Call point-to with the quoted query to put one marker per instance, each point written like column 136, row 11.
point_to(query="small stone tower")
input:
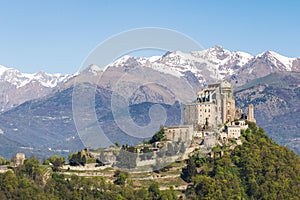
column 18, row 159
column 251, row 113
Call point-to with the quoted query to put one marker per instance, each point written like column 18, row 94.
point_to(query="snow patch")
column 275, row 57
column 95, row 69
column 154, row 58
column 3, row 69
column 120, row 61
column 287, row 62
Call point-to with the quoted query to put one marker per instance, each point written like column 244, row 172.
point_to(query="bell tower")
column 251, row 113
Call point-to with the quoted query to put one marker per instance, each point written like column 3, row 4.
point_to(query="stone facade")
column 210, row 140
column 214, row 105
column 198, row 114
column 18, row 159
column 108, row 156
column 251, row 113
column 233, row 131
column 179, row 133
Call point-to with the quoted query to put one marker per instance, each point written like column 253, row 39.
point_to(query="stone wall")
column 179, row 133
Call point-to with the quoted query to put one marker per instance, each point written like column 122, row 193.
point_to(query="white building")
column 241, row 123
column 233, row 131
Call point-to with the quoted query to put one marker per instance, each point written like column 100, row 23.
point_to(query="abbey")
column 214, row 105
column 213, row 114
column 211, row 120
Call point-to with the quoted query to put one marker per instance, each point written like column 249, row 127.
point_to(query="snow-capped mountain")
column 227, row 62
column 214, row 63
column 220, row 56
column 17, row 87
column 264, row 64
column 198, row 68
column 277, row 60
column 19, row 79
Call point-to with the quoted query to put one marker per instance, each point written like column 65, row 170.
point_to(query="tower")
column 251, row 113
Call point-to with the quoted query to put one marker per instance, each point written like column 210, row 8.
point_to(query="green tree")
column 154, row 192
column 142, row 194
column 32, row 169
column 157, row 137
column 190, row 170
column 3, row 161
column 55, row 161
column 168, row 195
column 8, row 184
column 77, row 159
column 121, row 177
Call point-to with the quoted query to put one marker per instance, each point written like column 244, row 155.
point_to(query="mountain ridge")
column 215, row 55
column 156, row 80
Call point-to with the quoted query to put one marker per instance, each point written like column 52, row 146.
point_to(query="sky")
column 57, row 36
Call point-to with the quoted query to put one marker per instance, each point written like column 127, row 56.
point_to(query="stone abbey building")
column 213, row 113
column 214, row 105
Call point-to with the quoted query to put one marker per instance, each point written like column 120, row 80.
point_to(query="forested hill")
column 258, row 169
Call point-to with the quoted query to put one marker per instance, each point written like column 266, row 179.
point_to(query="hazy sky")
column 56, row 36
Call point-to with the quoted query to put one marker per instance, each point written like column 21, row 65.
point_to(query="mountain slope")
column 17, row 87
column 198, row 68
column 264, row 64
column 276, row 98
column 142, row 82
column 46, row 126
